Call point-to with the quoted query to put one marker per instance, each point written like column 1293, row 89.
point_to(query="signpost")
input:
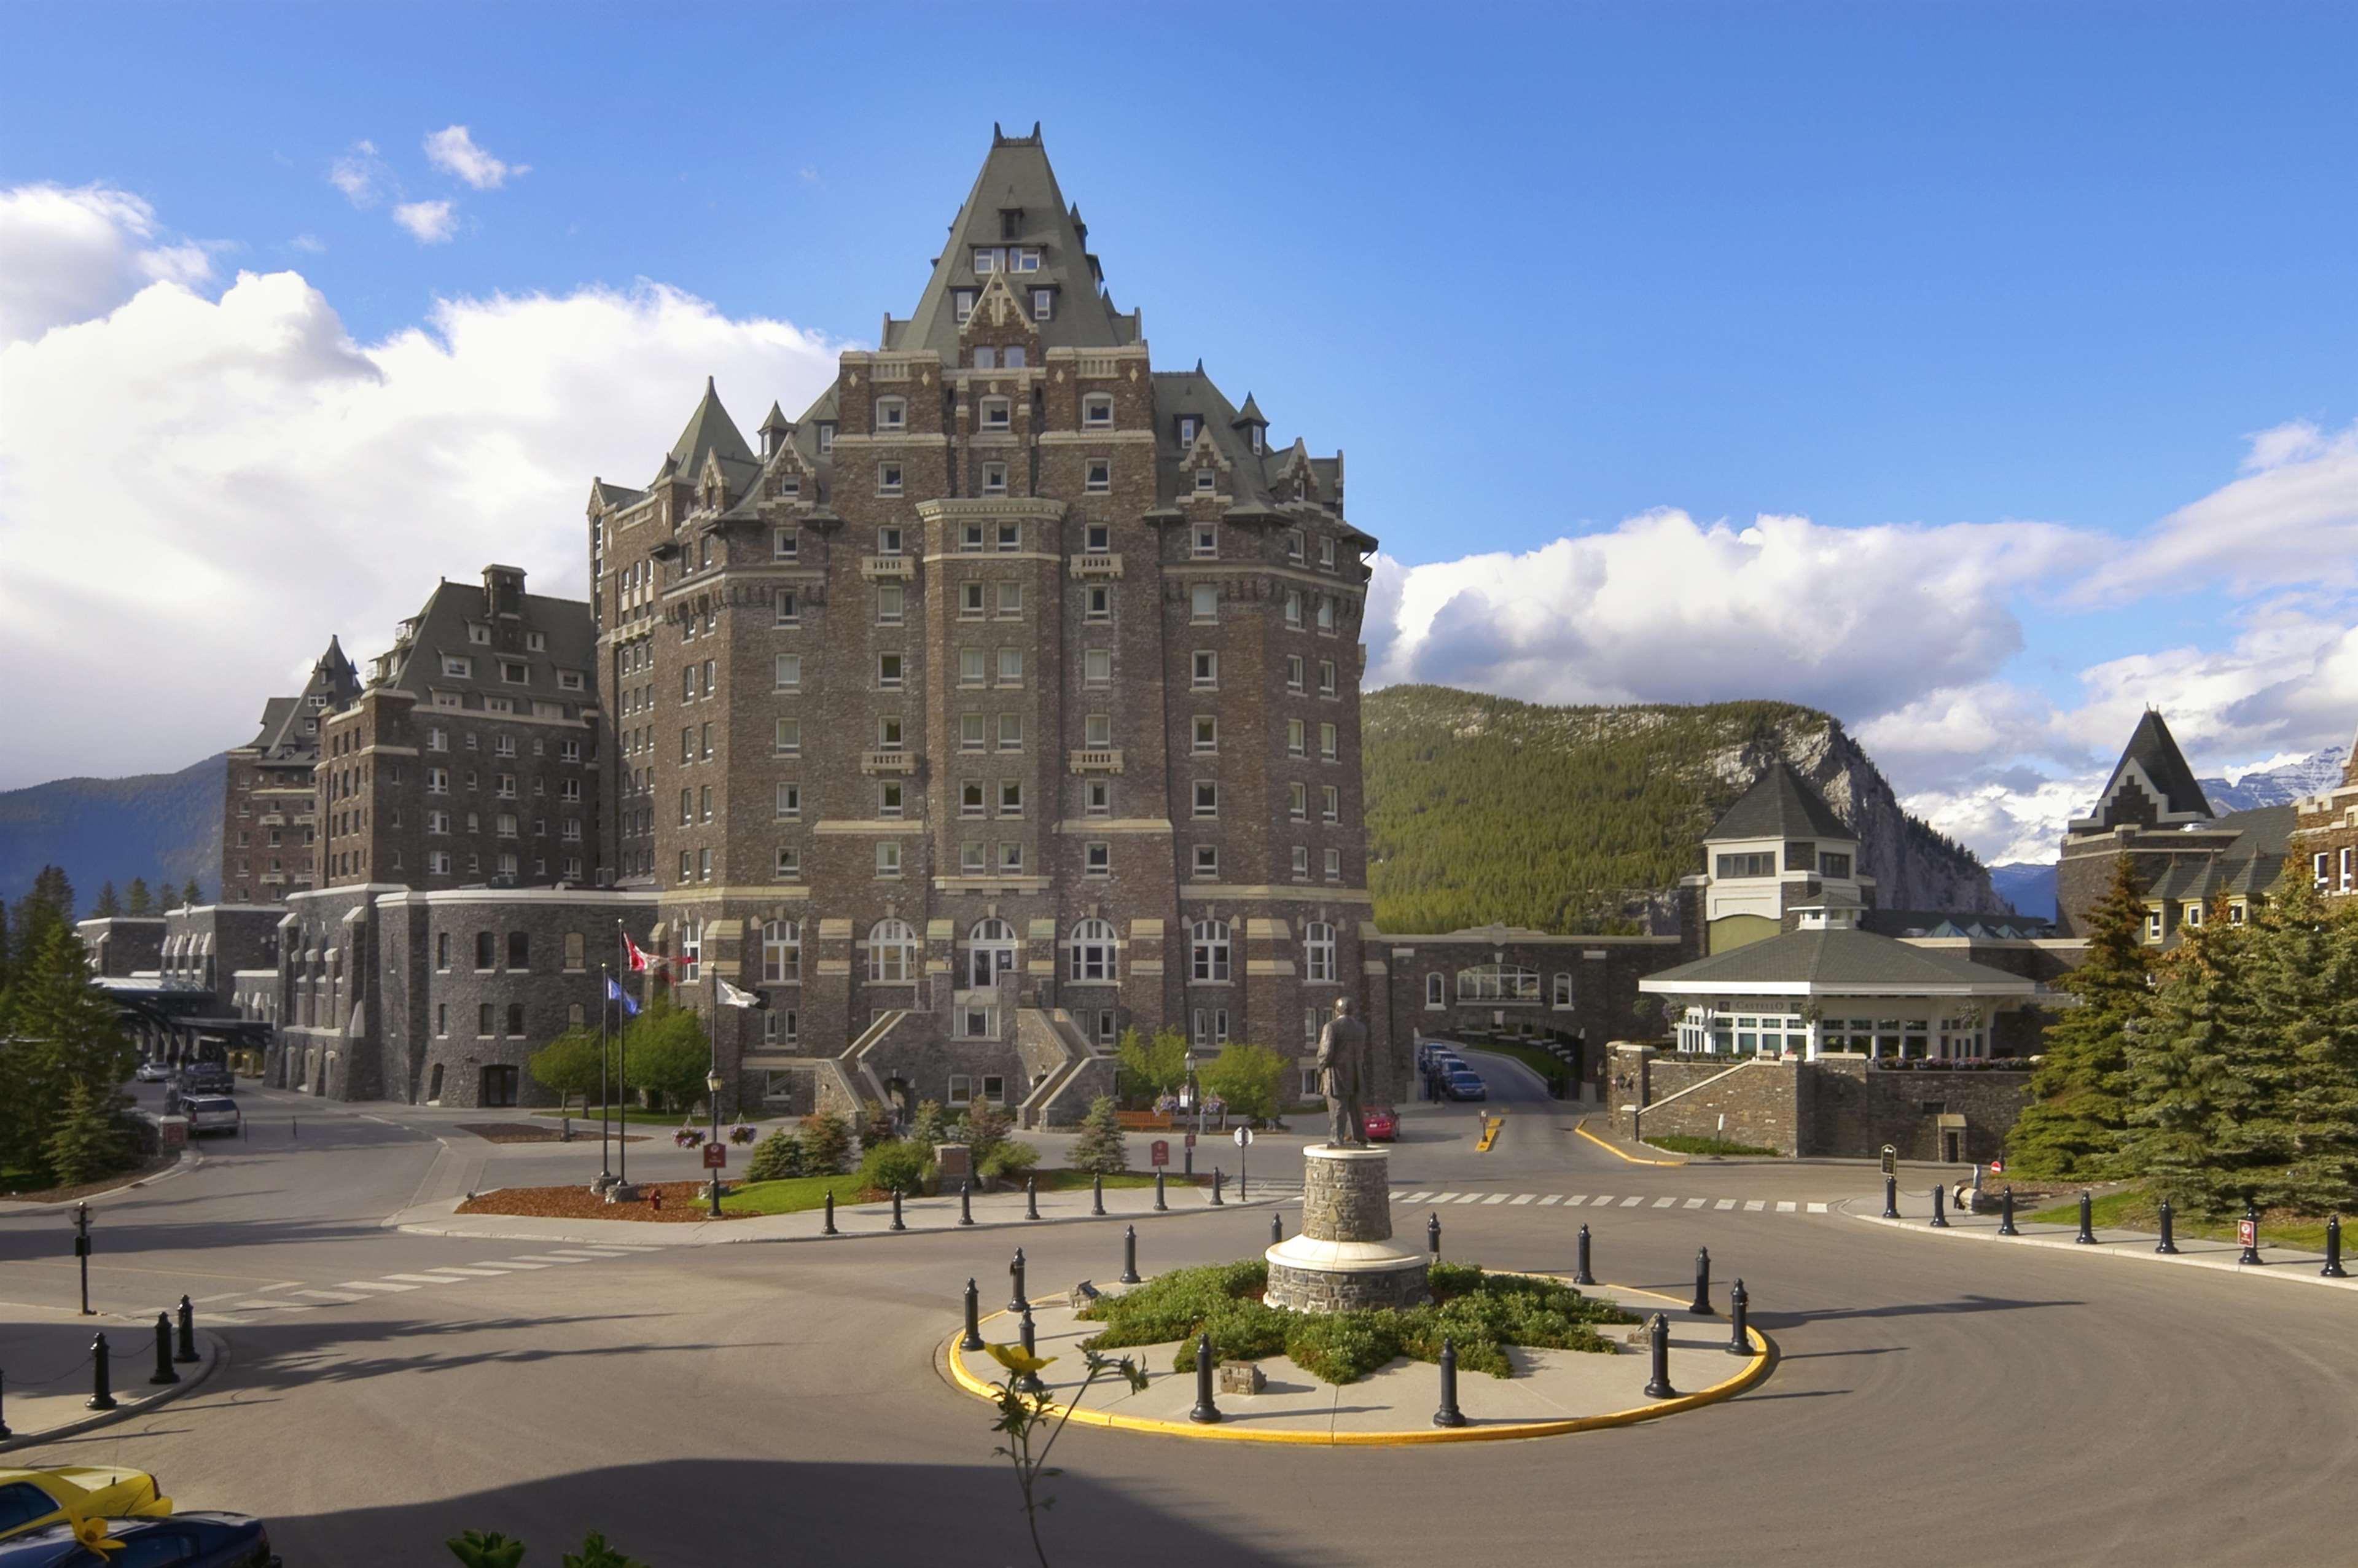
column 1159, row 1152
column 1244, row 1141
column 1190, row 1156
column 1890, row 1161
column 716, row 1156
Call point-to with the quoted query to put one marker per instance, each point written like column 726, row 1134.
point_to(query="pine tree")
column 137, row 900
column 62, row 1034
column 1099, row 1147
column 108, row 905
column 2072, row 1130
column 47, row 906
column 2307, row 982
column 2201, row 1087
column 88, row 1140
column 192, row 895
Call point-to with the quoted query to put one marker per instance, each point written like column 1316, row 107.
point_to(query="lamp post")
column 1187, row 1104
column 712, row 1094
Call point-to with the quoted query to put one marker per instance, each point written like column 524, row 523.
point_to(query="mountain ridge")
column 162, row 826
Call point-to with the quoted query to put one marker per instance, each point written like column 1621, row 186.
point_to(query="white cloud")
column 309, row 244
column 453, row 150
column 66, row 254
column 428, row 222
column 361, row 175
column 242, row 478
column 1662, row 609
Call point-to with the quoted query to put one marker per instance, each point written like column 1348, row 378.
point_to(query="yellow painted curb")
column 1491, row 1127
column 1764, row 1356
column 1581, row 1128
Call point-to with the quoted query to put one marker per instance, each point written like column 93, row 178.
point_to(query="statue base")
column 1343, row 1259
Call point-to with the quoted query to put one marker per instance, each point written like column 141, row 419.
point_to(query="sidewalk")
column 2195, row 1252
column 45, row 1358
column 992, row 1211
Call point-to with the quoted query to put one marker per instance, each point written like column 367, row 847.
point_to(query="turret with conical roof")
column 2150, row 786
column 1779, row 850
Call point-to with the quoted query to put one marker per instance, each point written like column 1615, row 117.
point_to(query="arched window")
column 1092, row 951
column 782, row 952
column 1432, row 987
column 991, row 952
column 891, row 951
column 1209, row 950
column 991, row 929
column 1318, row 946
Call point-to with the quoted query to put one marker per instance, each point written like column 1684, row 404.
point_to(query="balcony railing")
column 899, row 567
column 888, row 762
column 1097, row 563
column 1097, row 759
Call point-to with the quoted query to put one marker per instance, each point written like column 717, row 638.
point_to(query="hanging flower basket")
column 687, row 1137
column 742, row 1133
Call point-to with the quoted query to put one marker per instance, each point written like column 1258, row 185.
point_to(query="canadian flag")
column 640, row 962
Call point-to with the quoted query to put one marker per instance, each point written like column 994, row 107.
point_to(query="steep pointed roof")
column 775, row 419
column 1016, row 179
column 2150, row 780
column 709, row 429
column 1779, row 805
column 1250, row 413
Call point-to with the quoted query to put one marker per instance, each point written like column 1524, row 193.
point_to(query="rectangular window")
column 971, row 735
column 788, row 606
column 1207, row 481
column 970, row 602
column 1098, row 604
column 1097, row 411
column 1010, row 666
column 1098, row 477
column 888, row 797
column 1330, row 803
column 1206, row 732
column 1326, row 742
column 1207, row 860
column 1096, row 666
column 1204, row 602
column 1208, row 798
column 783, row 545
column 1207, row 539
column 1735, row 868
column 995, row 413
column 970, row 860
column 1097, row 731
column 1043, row 304
column 789, row 737
column 994, row 478
column 888, row 859
column 790, row 863
column 891, row 603
column 970, row 798
column 789, row 672
column 985, row 357
column 1010, row 599
column 1326, row 678
column 1293, row 545
column 1011, row 797
column 888, row 732
column 1010, row 732
column 1098, row 860
column 1334, row 865
column 888, row 671
column 1297, row 801
column 1010, row 858
column 1293, row 607
column 888, row 479
column 1300, row 863
column 962, row 304
column 1326, row 612
column 1295, row 733
column 888, row 541
column 790, row 801
column 1293, row 672
column 1207, row 668
column 1098, row 798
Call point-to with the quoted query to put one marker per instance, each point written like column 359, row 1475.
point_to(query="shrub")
column 1008, row 1158
column 1099, row 1147
column 925, row 1126
column 776, row 1157
column 896, row 1165
column 875, row 1124
column 827, row 1145
column 986, row 1127
column 1248, row 1079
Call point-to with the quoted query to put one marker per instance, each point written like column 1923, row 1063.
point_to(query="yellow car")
column 31, row 1499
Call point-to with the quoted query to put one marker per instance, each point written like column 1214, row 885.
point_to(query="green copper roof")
column 1779, row 805
column 1837, row 961
column 709, row 428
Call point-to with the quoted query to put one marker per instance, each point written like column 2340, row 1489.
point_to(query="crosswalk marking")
column 1784, row 1208
column 339, row 1297
column 374, row 1285
column 1470, row 1198
column 1696, row 1203
column 1604, row 1201
column 1576, row 1200
column 1445, row 1197
column 1817, row 1209
column 422, row 1279
column 1551, row 1197
column 597, row 1251
column 1725, row 1203
column 1631, row 1203
column 551, row 1257
column 1664, row 1203
column 1523, row 1197
column 1496, row 1197
column 446, row 1272
column 1753, row 1206
column 520, row 1263
column 265, row 1304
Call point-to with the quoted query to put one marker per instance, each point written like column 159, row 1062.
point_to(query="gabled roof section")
column 709, row 429
column 1016, row 179
column 1836, row 963
column 1779, row 805
column 2151, row 785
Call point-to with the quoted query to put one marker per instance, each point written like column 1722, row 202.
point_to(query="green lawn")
column 638, row 1118
column 792, row 1194
column 1677, row 1143
column 1553, row 1071
column 2132, row 1208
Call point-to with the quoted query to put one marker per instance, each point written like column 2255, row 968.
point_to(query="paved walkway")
column 1551, row 1390
column 991, row 1210
column 45, row 1357
column 2194, row 1252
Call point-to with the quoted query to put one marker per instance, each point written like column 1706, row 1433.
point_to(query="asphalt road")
column 1935, row 1400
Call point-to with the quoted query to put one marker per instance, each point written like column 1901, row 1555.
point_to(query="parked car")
column 1465, row 1083
column 207, row 1078
column 1379, row 1124
column 154, row 1072
column 31, row 1499
column 211, row 1113
column 186, row 1540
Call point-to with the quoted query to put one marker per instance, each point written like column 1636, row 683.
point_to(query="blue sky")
column 1538, row 271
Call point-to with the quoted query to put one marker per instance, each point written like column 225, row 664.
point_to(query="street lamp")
column 712, row 1093
column 1187, row 1104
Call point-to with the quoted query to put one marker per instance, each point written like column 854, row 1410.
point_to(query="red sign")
column 716, row 1156
column 1160, row 1150
column 1997, row 1167
column 1191, row 1140
column 2248, row 1232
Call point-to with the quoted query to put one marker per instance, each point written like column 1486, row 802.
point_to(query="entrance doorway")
column 499, row 1086
column 990, row 953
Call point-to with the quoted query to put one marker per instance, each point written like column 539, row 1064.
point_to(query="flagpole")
column 605, row 1091
column 622, row 1085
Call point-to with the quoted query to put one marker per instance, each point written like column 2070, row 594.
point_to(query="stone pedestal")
column 1343, row 1259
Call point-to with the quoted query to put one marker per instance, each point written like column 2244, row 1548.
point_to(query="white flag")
column 732, row 997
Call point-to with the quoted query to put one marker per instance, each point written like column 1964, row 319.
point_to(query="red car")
column 1381, row 1125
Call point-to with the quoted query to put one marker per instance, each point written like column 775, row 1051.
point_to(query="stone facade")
column 1340, row 1260
column 1301, row 1289
column 268, row 822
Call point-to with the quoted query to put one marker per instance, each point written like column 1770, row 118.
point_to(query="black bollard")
column 1276, row 1229
column 2251, row 1253
column 1097, row 1195
column 1940, row 1209
column 897, row 1223
column 1204, row 1410
column 1448, row 1414
column 1030, row 1381
column 1580, row 1274
column 1160, row 1207
column 1031, row 1198
column 2333, row 1269
column 965, row 1201
column 1015, row 1303
column 164, row 1373
column 1701, row 1305
column 2087, row 1236
column 2167, row 1246
column 1129, row 1254
column 1657, row 1337
column 1215, row 1186
column 1891, row 1197
column 829, row 1228
column 187, row 1350
column 972, row 1339
column 1433, row 1236
column 2005, row 1214
column 102, row 1394
column 1739, row 1339
column 4, row 1434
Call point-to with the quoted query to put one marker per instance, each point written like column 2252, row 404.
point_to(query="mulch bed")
column 529, row 1133
column 682, row 1202
column 160, row 1163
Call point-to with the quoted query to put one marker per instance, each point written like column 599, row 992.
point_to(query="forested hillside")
column 165, row 827
column 1483, row 809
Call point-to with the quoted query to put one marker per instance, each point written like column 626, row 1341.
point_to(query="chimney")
column 502, row 591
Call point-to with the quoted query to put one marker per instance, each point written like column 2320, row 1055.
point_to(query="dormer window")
column 1043, row 304
column 1023, row 259
column 1253, row 434
column 985, row 357
column 480, row 635
column 1188, row 426
column 962, row 304
column 1097, row 411
column 986, row 259
column 826, row 438
column 458, row 666
column 891, row 413
column 1011, row 223
column 1207, row 480
column 996, row 414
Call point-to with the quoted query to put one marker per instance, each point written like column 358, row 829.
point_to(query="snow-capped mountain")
column 2279, row 785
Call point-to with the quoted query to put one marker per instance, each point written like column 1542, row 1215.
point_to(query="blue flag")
column 615, row 992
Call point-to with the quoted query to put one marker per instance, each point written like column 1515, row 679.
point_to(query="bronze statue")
column 1343, row 1074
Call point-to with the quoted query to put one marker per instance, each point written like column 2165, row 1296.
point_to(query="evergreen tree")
column 2202, row 1082
column 88, row 1140
column 986, row 1128
column 192, row 895
column 47, row 906
column 2306, row 1037
column 136, row 899
column 826, row 1143
column 926, row 1124
column 108, row 905
column 62, row 1034
column 1099, row 1147
column 7, row 966
column 2072, row 1128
